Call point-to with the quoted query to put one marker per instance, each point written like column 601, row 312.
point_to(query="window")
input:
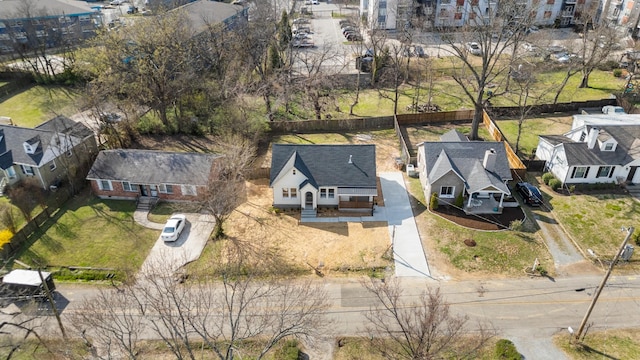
column 583, row 136
column 64, row 19
column 323, row 193
column 285, row 192
column 608, row 147
column 84, row 18
column 547, row 14
column 580, row 172
column 127, row 186
column 11, row 173
column 446, row 191
column 105, row 185
column 189, row 190
column 605, row 171
column 166, row 188
column 382, row 20
column 332, row 193
column 457, row 16
column 27, row 170
column 382, row 5
column 294, row 193
column 52, row 166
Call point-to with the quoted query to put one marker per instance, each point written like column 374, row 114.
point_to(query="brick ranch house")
column 168, row 176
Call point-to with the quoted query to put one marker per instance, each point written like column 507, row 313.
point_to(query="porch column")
column 469, row 201
column 501, row 199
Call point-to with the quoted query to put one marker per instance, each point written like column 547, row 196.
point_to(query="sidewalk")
column 408, row 253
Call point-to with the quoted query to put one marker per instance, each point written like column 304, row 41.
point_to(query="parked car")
column 613, row 110
column 561, row 57
column 474, row 48
column 530, row 194
column 353, row 37
column 173, row 228
column 110, row 118
column 315, row 2
column 117, row 2
column 300, row 21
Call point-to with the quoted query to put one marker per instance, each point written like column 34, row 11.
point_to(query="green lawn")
column 505, row 253
column 91, row 232
column 40, row 103
column 531, row 128
column 595, row 221
column 609, row 344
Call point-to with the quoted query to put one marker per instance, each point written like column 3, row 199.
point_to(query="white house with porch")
column 477, row 171
column 307, row 177
column 592, row 154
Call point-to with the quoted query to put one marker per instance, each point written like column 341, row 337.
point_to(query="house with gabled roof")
column 476, row 171
column 46, row 154
column 334, row 176
column 128, row 174
column 593, row 153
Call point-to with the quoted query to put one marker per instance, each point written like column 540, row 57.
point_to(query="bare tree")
column 425, row 329
column 493, row 31
column 596, row 45
column 227, row 179
column 205, row 317
column 522, row 95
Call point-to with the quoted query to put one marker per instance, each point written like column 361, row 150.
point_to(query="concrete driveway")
column 173, row 255
column 408, row 253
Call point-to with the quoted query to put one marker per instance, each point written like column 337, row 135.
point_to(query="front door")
column 154, row 190
column 143, row 190
column 632, row 173
column 308, row 200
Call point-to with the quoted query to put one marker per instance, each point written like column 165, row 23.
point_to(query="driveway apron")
column 173, row 255
column 408, row 253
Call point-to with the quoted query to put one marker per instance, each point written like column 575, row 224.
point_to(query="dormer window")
column 608, row 147
column 30, row 148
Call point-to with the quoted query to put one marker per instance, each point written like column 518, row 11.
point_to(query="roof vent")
column 350, row 159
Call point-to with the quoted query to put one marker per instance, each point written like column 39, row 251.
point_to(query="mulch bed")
column 481, row 221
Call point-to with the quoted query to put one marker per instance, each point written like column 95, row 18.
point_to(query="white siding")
column 288, row 181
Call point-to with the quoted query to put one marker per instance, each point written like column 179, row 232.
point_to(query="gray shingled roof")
column 11, row 145
column 152, row 167
column 453, row 135
column 205, row 12
column 554, row 139
column 13, row 9
column 628, row 149
column 328, row 165
column 465, row 158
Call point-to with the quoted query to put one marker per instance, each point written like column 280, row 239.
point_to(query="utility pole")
column 52, row 303
column 602, row 284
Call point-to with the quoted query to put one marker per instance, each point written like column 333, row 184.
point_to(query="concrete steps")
column 146, row 203
column 308, row 213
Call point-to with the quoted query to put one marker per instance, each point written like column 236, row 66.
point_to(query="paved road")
column 408, row 254
column 527, row 311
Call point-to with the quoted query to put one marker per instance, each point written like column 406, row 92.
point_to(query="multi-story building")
column 397, row 14
column 44, row 24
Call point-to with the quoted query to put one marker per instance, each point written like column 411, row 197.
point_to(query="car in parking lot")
column 474, row 48
column 352, row 36
column 530, row 194
column 117, row 2
column 173, row 228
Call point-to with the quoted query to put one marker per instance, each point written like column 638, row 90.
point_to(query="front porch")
column 482, row 206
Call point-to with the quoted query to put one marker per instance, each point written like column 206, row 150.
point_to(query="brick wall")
column 119, row 193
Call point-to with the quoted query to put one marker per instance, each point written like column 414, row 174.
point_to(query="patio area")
column 482, row 206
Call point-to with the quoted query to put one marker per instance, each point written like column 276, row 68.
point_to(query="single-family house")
column 334, row 176
column 593, row 154
column 477, row 171
column 170, row 176
column 46, row 154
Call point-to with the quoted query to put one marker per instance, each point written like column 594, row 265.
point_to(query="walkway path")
column 408, row 253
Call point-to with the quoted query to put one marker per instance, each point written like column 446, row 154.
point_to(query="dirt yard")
column 332, row 248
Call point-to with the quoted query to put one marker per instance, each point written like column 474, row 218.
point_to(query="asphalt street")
column 527, row 311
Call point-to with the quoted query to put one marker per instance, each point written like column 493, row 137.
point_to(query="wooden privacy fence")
column 518, row 169
column 513, row 111
column 436, row 117
column 22, row 236
column 308, row 126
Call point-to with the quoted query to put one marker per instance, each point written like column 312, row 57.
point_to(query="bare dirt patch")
column 329, row 247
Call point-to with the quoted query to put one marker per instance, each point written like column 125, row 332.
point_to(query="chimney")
column 489, row 161
column 350, row 161
column 592, row 137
